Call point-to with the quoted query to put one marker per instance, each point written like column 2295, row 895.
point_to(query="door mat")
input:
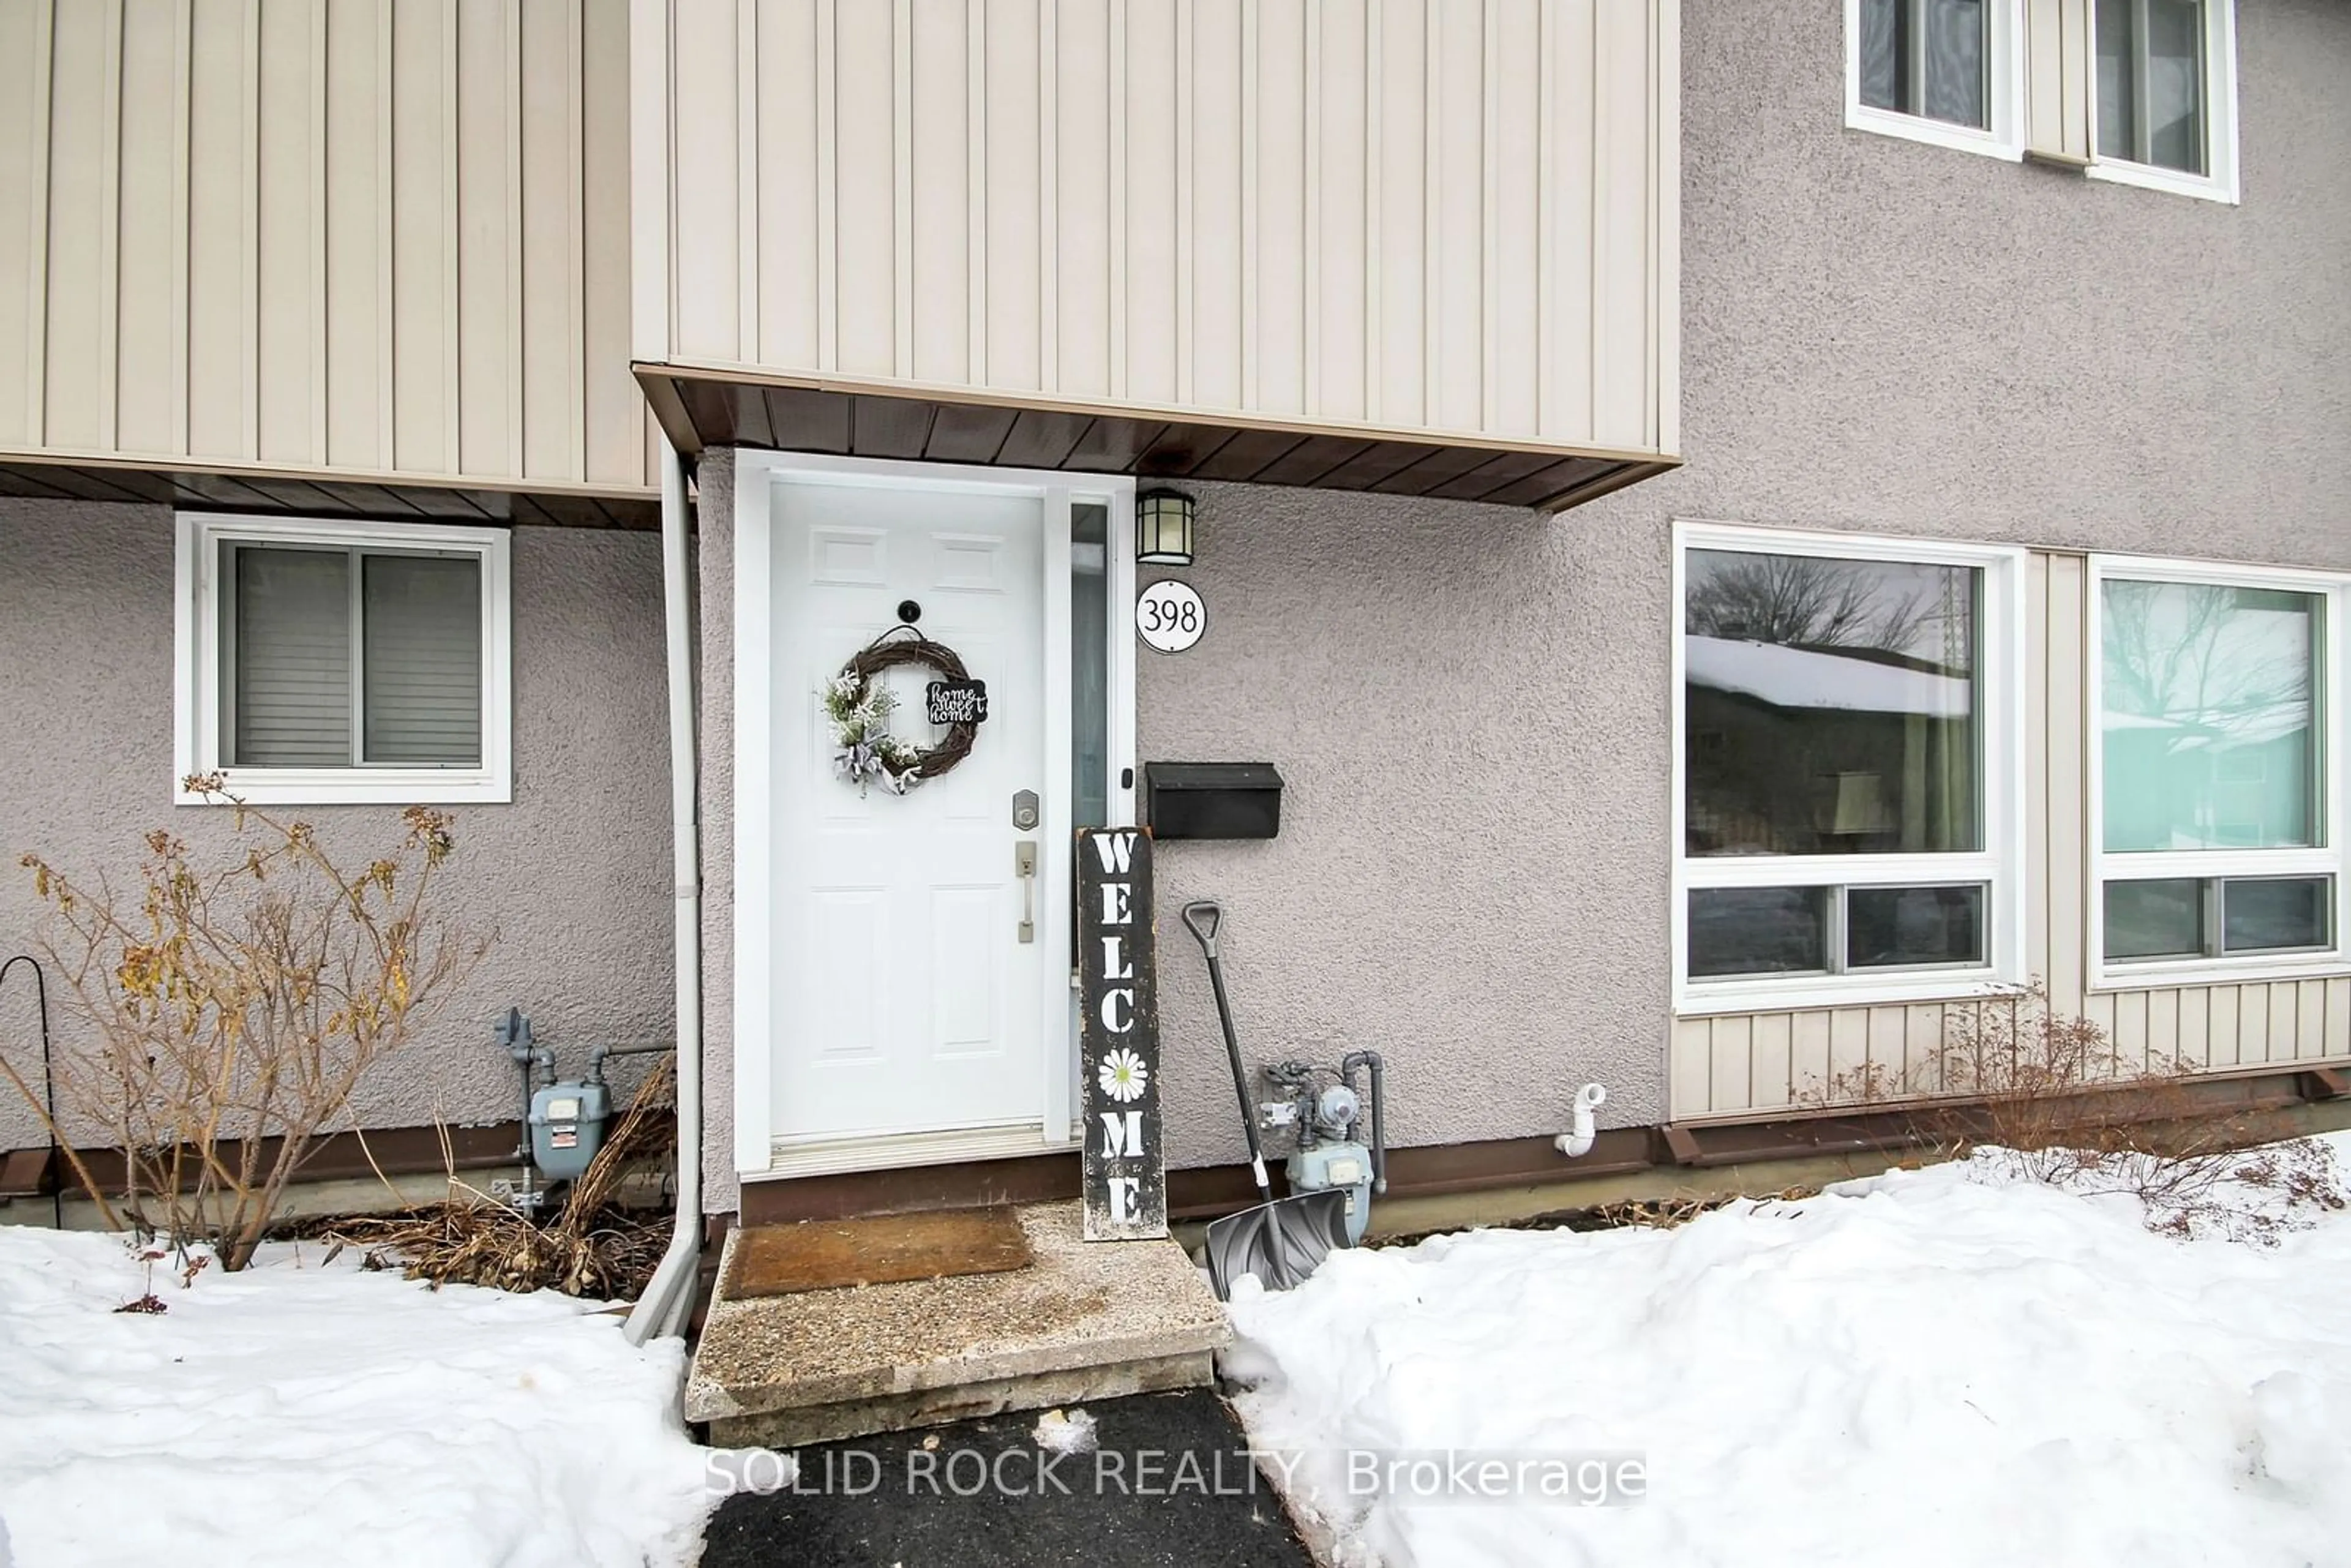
column 820, row 1254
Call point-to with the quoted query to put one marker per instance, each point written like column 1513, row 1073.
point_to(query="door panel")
column 904, row 1000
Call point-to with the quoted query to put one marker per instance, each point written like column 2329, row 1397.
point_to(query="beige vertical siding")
column 1743, row 1065
column 2057, row 81
column 246, row 233
column 1419, row 214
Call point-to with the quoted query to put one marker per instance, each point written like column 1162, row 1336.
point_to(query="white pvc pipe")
column 668, row 1299
column 1577, row 1141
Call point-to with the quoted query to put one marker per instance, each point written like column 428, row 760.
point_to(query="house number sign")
column 1124, row 1167
column 1170, row 616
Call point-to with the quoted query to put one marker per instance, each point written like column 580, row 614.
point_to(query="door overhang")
column 700, row 406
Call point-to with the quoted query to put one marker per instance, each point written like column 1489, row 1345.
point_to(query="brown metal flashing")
column 35, row 478
column 1437, row 1170
column 1678, row 1142
column 24, row 1173
column 2324, row 1083
column 702, row 405
column 1201, row 1192
column 1855, row 1131
column 338, row 1157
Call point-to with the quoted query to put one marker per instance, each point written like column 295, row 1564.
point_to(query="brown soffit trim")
column 173, row 464
column 1212, row 419
column 668, row 407
column 321, row 496
column 1608, row 484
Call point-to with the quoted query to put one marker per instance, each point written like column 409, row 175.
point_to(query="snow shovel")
column 1279, row 1241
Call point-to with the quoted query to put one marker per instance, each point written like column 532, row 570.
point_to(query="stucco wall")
column 1878, row 334
column 1466, row 707
column 1471, row 708
column 714, row 692
column 573, row 877
column 1471, row 705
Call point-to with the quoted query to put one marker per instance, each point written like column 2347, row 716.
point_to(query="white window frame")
column 2219, row 183
column 197, row 667
column 2331, row 670
column 1998, row 864
column 2003, row 94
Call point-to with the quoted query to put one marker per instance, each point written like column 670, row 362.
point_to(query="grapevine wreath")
column 860, row 709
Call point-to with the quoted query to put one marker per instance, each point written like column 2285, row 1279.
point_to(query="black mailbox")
column 1212, row 800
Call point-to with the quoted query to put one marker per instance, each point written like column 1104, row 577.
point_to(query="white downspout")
column 1577, row 1141
column 668, row 1299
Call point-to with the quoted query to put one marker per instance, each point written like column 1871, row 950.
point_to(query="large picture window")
column 1844, row 775
column 2218, row 837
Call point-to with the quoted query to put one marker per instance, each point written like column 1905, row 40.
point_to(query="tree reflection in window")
column 1838, row 699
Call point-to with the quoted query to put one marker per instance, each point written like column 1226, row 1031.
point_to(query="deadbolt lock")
column 1024, row 811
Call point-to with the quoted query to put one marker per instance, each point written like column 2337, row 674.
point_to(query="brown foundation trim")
column 1206, row 1191
column 396, row 1151
column 1437, row 1170
column 1810, row 1133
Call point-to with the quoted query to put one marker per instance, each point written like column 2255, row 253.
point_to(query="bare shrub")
column 591, row 1247
column 233, row 1007
column 2067, row 1108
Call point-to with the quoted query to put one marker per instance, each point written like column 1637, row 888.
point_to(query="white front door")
column 908, row 996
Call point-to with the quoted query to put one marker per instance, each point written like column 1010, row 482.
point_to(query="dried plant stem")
column 2012, row 1072
column 590, row 1248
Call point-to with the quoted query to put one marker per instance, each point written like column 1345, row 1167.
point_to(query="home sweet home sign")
column 1126, row 1169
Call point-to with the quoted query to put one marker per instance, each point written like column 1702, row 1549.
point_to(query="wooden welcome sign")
column 1118, row 989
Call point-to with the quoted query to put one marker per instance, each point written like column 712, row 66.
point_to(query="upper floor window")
column 1847, row 827
column 2165, row 94
column 1945, row 71
column 327, row 661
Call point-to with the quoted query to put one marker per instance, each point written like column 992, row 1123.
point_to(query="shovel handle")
column 1205, row 917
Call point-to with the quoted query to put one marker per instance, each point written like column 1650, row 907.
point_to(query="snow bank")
column 1927, row 1367
column 296, row 1414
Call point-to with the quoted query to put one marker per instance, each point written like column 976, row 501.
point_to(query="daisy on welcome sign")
column 1123, row 1076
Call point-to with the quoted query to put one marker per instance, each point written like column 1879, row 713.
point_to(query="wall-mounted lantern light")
column 1163, row 527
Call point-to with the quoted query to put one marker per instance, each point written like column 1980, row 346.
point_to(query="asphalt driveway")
column 1169, row 1483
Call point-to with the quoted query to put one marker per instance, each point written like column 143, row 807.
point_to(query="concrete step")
column 1084, row 1320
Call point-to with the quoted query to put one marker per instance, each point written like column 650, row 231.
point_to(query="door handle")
column 1024, row 862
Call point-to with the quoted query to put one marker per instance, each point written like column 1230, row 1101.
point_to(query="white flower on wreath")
column 866, row 752
column 1123, row 1076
